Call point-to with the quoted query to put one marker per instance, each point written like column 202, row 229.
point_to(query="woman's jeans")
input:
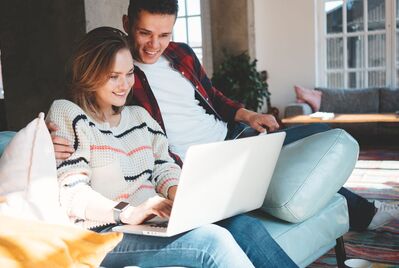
column 361, row 211
column 240, row 241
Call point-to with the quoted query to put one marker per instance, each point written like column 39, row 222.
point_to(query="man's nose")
column 154, row 41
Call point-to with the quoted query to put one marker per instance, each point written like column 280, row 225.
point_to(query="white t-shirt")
column 186, row 122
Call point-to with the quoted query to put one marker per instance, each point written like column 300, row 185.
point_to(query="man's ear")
column 125, row 22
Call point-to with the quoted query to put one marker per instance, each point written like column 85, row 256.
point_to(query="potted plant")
column 238, row 79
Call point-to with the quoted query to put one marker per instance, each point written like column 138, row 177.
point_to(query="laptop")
column 218, row 180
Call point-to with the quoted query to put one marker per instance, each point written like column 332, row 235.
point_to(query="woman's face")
column 118, row 84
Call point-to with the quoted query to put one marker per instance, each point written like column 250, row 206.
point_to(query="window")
column 359, row 43
column 193, row 27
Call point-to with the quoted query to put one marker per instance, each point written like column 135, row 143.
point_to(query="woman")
column 121, row 171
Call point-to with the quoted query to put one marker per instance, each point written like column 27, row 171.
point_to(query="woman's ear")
column 125, row 22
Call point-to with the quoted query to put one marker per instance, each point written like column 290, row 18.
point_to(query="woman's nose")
column 124, row 83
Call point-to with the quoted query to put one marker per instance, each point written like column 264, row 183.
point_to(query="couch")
column 357, row 101
column 305, row 223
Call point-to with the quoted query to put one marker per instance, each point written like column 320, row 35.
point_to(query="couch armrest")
column 294, row 109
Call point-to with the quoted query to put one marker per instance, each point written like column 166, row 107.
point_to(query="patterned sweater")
column 129, row 162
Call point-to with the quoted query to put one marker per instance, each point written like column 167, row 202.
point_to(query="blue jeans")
column 361, row 211
column 240, row 241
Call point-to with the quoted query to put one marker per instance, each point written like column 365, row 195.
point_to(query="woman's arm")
column 76, row 194
column 166, row 172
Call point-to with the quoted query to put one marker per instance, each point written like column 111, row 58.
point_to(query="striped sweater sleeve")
column 166, row 172
column 76, row 195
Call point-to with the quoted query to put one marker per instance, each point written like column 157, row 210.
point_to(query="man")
column 173, row 87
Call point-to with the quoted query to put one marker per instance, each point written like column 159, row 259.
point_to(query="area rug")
column 374, row 180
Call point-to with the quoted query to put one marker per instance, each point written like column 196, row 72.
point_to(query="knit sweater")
column 129, row 162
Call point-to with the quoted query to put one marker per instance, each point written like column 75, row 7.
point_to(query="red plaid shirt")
column 184, row 60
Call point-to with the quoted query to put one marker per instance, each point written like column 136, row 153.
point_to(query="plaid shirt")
column 184, row 60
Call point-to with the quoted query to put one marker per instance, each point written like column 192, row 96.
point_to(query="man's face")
column 150, row 34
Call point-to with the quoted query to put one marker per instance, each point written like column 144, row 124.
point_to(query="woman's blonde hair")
column 91, row 64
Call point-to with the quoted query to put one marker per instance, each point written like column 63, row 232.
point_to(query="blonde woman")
column 121, row 171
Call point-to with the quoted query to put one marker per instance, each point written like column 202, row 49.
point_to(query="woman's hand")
column 154, row 206
column 62, row 147
column 172, row 192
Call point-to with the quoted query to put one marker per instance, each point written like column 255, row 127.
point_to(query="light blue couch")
column 303, row 193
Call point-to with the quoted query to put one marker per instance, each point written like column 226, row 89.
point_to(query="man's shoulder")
column 177, row 49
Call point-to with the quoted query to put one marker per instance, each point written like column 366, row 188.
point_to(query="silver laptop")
column 218, row 180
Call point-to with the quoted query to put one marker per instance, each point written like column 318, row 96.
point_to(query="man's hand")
column 172, row 192
column 260, row 122
column 154, row 206
column 62, row 147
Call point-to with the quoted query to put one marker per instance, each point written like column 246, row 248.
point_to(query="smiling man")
column 174, row 88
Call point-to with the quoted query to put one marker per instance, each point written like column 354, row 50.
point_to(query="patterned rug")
column 374, row 180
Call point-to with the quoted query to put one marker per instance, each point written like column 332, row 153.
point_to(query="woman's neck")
column 109, row 116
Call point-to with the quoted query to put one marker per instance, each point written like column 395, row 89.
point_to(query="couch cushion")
column 306, row 241
column 308, row 173
column 389, row 100
column 348, row 101
column 5, row 138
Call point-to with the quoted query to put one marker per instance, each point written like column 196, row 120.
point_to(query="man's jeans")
column 240, row 241
column 361, row 211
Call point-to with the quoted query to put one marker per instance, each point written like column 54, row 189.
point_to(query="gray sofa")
column 357, row 101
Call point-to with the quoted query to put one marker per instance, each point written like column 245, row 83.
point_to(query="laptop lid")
column 222, row 179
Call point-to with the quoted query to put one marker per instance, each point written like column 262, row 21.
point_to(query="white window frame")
column 206, row 34
column 390, row 50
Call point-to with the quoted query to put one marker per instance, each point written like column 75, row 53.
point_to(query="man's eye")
column 144, row 33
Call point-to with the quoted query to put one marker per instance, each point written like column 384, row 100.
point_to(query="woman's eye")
column 113, row 77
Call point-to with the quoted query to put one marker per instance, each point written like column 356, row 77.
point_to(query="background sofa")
column 357, row 101
column 305, row 223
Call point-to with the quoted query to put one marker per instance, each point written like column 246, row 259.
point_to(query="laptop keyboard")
column 159, row 224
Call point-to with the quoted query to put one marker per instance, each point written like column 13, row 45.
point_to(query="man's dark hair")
column 163, row 7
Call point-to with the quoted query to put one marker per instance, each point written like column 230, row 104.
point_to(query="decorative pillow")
column 25, row 243
column 309, row 96
column 28, row 177
column 308, row 173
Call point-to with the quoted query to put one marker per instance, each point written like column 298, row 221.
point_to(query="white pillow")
column 28, row 176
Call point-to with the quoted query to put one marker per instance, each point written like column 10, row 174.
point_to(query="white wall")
column 285, row 46
column 105, row 13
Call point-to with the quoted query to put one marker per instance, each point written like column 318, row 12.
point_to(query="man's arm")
column 231, row 110
column 260, row 122
column 62, row 147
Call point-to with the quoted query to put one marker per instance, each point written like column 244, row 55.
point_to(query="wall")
column 105, row 13
column 36, row 39
column 285, row 46
column 230, row 28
